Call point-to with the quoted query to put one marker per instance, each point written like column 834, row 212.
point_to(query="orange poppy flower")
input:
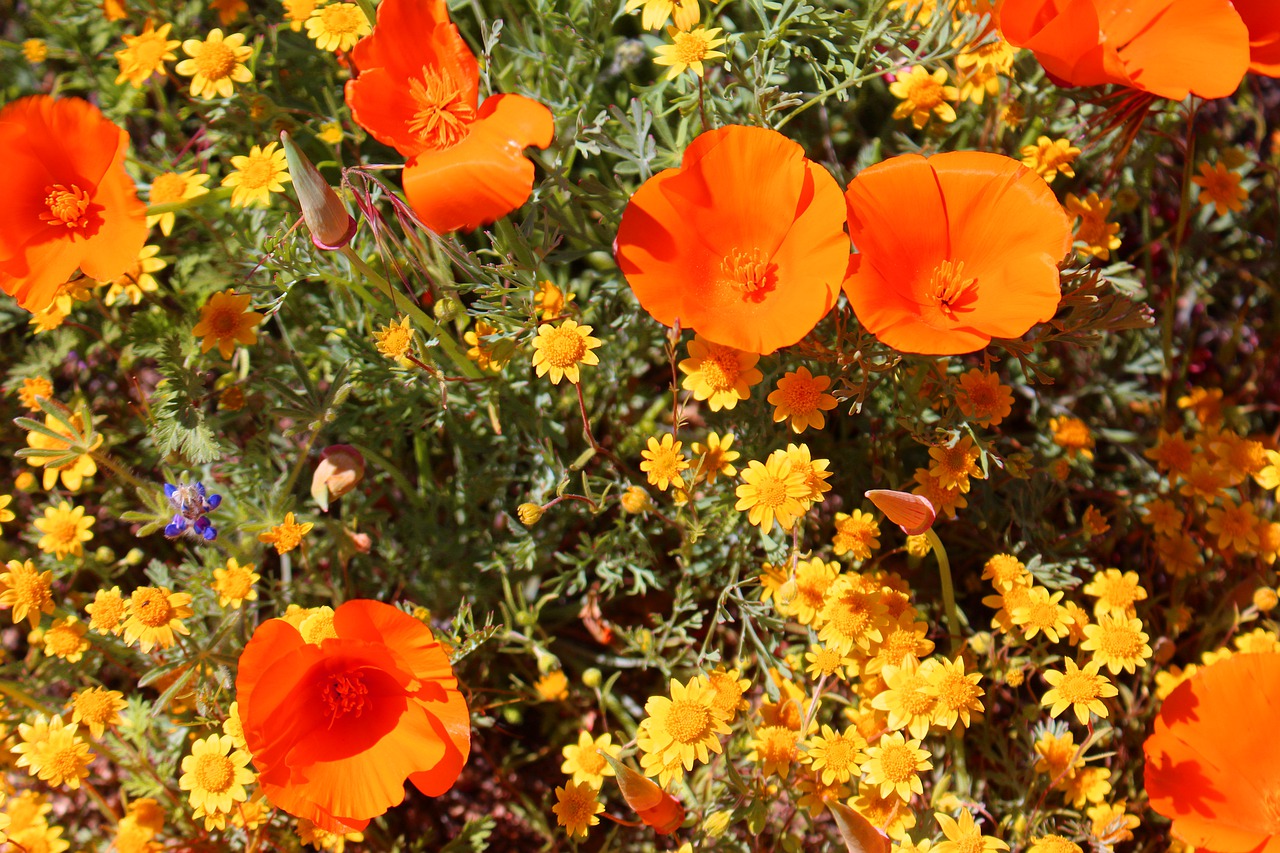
column 744, row 242
column 953, row 251
column 69, row 204
column 1213, row 762
column 337, row 725
column 1262, row 18
column 418, row 91
column 1165, row 47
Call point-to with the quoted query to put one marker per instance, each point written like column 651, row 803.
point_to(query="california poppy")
column 744, row 242
column 1262, row 19
column 1165, row 47
column 953, row 251
column 1213, row 762
column 337, row 725
column 68, row 201
column 418, row 91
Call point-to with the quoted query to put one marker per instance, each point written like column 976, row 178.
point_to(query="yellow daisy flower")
column 983, row 399
column 657, row 12
column 774, row 749
column 1220, row 187
column 145, row 54
column 171, row 188
column 664, row 463
column 136, row 280
column 964, row 836
column 894, row 765
column 719, row 374
column 833, row 756
column 286, row 535
column 957, row 693
column 550, row 301
column 857, row 534
column 215, row 775
column 924, row 95
column 688, row 50
column 72, row 462
column 715, row 458
column 1099, row 236
column 1117, row 643
column 801, row 398
column 65, row 530
column 26, row 591
column 559, row 350
column 107, row 611
column 257, row 175
column 772, row 491
column 65, row 639
column 1049, row 157
column 153, row 614
column 225, row 321
column 234, row 584
column 685, row 726
column 577, row 806
column 1082, row 689
column 908, row 697
column 97, row 708
column 337, row 26
column 215, row 64
column 585, row 763
column 52, row 752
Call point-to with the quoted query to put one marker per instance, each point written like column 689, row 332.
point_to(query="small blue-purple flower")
column 190, row 503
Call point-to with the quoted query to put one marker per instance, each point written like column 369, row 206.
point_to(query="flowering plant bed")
column 640, row 425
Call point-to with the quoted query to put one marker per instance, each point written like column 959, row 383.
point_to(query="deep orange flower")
column 68, row 202
column 1262, row 18
column 337, row 726
column 418, row 91
column 1165, row 47
column 953, row 251
column 1213, row 762
column 744, row 242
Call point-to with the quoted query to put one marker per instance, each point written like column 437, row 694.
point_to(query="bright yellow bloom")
column 73, row 462
column 715, row 458
column 225, row 321
column 907, row 696
column 235, row 583
column 801, row 398
column 1082, row 689
column 719, row 374
column 964, row 836
column 828, row 662
column 689, row 50
column 97, row 708
column 1006, row 571
column 65, row 530
column 924, row 95
column 560, row 350
column 145, row 54
column 664, row 462
column 1235, row 525
column 957, row 693
column 657, row 12
column 216, row 776
column 215, row 64
column 65, row 639
column 1099, row 236
column 337, row 26
column 488, row 354
column 1072, row 435
column 1048, row 157
column 553, row 687
column 890, row 814
column 1220, row 187
column 577, row 806
column 106, row 612
column 35, row 50
column 814, row 471
column 550, row 301
column 1109, row 824
column 1117, row 643
column 31, row 388
column 803, row 597
column 395, row 339
column 171, row 188
column 954, row 464
column 1040, row 612
column 286, row 535
column 774, row 749
column 857, row 534
column 153, row 614
column 584, row 762
column 1116, row 592
column 894, row 764
column 257, row 175
column 853, row 615
column 52, row 751
column 136, row 280
column 772, row 491
column 685, row 726
column 728, row 689
column 296, row 12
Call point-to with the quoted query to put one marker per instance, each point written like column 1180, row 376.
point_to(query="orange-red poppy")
column 337, row 725
column 1165, row 47
column 953, row 251
column 68, row 202
column 1213, row 762
column 1262, row 19
column 418, row 91
column 744, row 242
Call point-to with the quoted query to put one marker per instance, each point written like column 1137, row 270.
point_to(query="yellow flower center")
column 28, row 589
column 800, row 396
column 63, row 529
column 341, row 19
column 576, row 809
column 850, row 616
column 728, row 693
column 749, row 272
column 690, row 47
column 259, row 173
column 62, row 641
column 840, row 755
column 898, row 763
column 720, row 371
column 442, row 117
column 168, row 188
column 64, row 760
column 955, row 692
column 924, row 92
column 214, row 773
column 970, row 842
column 1078, row 687
column 950, row 289
column 777, row 745
column 590, row 761
column 688, row 721
column 1042, row 614
column 66, row 206
column 216, row 60
column 827, row 661
column 1120, row 641
column 235, row 584
column 345, row 695
column 563, row 347
column 107, row 613
column 151, row 607
column 771, row 492
column 95, row 707
column 665, row 464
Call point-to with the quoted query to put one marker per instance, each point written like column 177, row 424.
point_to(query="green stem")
column 948, row 591
column 403, row 304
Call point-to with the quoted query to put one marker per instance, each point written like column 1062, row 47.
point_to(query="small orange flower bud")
column 341, row 468
column 655, row 806
column 913, row 513
column 326, row 216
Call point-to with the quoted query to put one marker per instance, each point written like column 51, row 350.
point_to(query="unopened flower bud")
column 1265, row 599
column 446, row 308
column 634, row 500
column 913, row 513
column 326, row 216
column 591, row 677
column 655, row 806
column 530, row 514
column 341, row 468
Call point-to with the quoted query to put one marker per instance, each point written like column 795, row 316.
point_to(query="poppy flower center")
column 950, row 289
column 346, row 694
column 442, row 116
column 66, row 206
column 215, row 61
column 749, row 272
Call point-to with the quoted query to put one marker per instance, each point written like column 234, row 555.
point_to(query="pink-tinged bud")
column 341, row 468
column 655, row 806
column 361, row 542
column 326, row 216
column 913, row 513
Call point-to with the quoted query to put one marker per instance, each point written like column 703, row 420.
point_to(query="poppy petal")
column 1262, row 19
column 1166, row 54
